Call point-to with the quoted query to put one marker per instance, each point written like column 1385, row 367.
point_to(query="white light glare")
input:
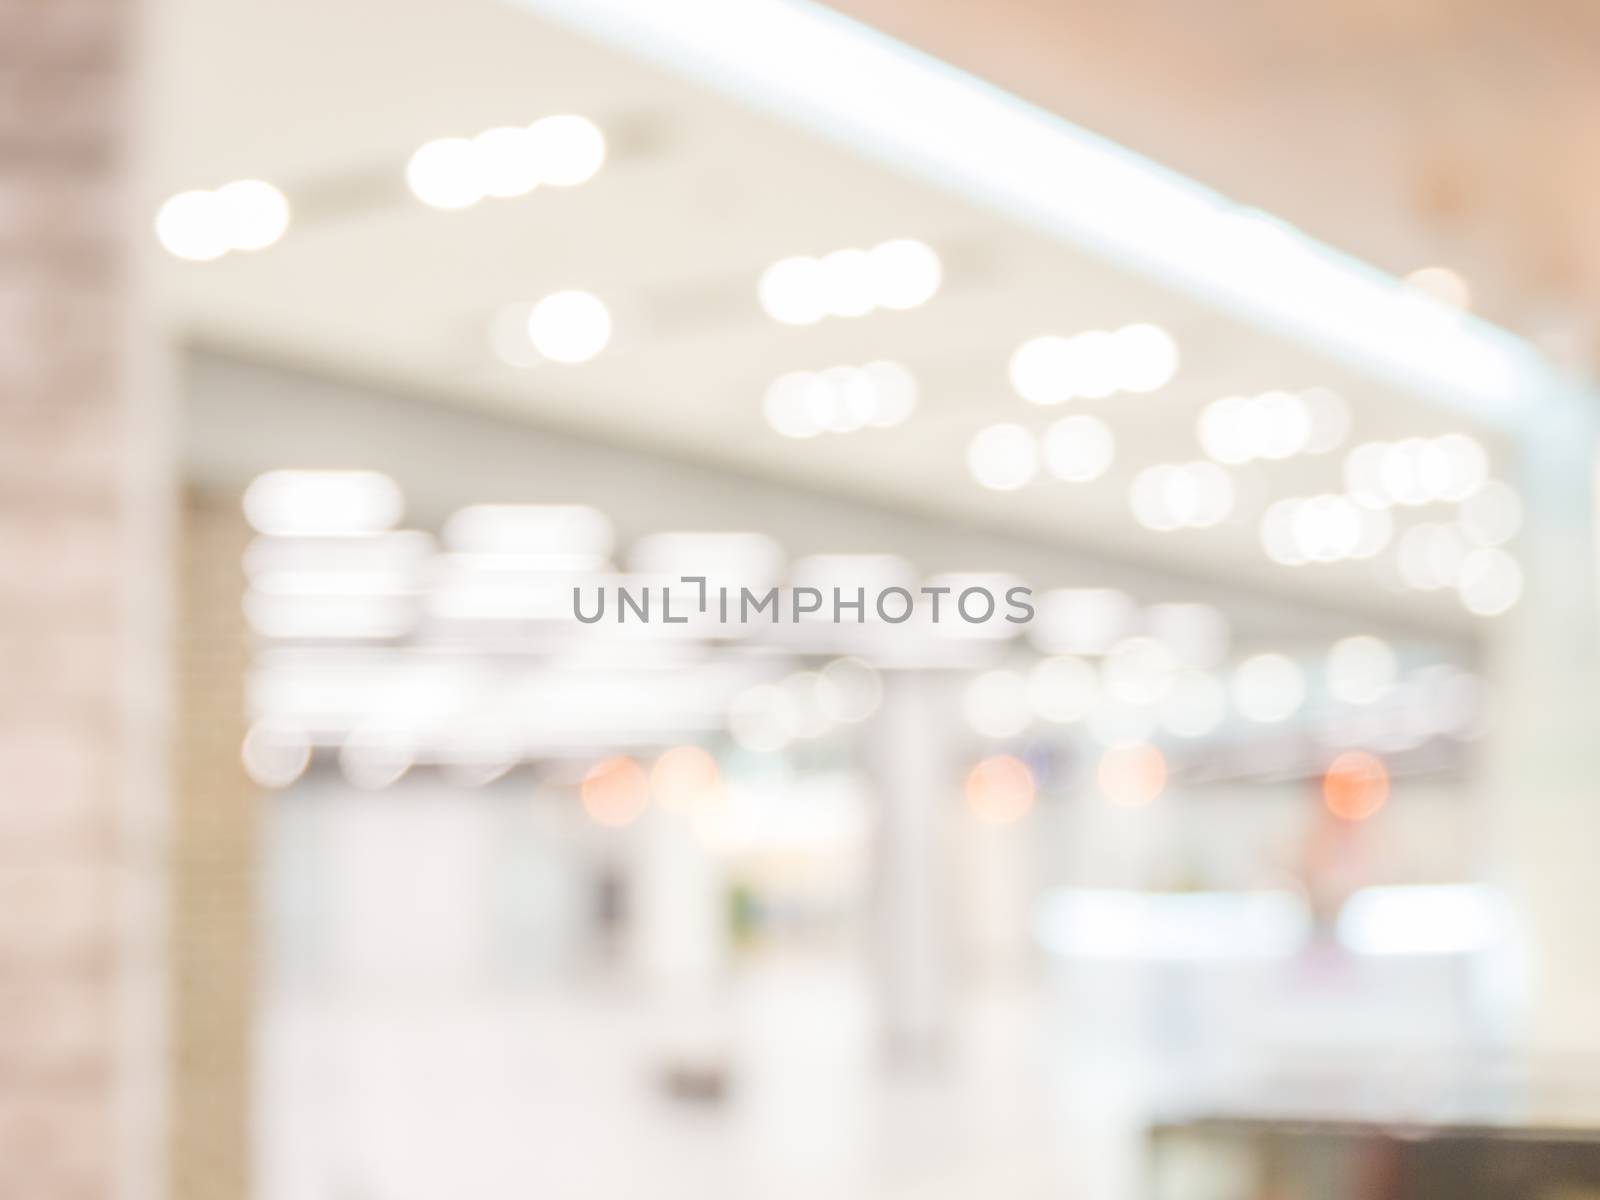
column 1078, row 448
column 1323, row 529
column 1423, row 919
column 1415, row 471
column 803, row 404
column 1195, row 705
column 567, row 537
column 898, row 274
column 849, row 690
column 1139, row 671
column 993, row 149
column 1361, row 669
column 1003, row 457
column 506, row 161
column 1081, row 620
column 322, row 503
column 1491, row 581
column 244, row 215
column 1268, row 688
column 1272, row 425
column 1493, row 515
column 1430, row 556
column 1094, row 364
column 996, row 704
column 1183, row 926
column 569, row 327
column 1195, row 495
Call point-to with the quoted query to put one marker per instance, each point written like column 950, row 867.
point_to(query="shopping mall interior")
column 755, row 599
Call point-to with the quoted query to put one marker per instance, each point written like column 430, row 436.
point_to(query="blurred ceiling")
column 1410, row 133
column 328, row 98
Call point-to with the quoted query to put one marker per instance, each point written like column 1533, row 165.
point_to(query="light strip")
column 814, row 68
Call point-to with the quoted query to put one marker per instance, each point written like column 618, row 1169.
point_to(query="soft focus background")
column 341, row 341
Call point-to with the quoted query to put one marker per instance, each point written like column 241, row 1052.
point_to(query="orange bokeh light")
column 684, row 778
column 1356, row 785
column 1132, row 775
column 1000, row 789
column 615, row 791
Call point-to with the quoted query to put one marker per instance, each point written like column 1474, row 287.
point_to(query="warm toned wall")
column 80, row 691
column 1409, row 133
column 213, row 861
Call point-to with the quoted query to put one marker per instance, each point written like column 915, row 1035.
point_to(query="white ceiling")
column 327, row 98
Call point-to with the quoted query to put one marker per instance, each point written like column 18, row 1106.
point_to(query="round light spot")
column 1361, row 669
column 905, row 273
column 1132, row 776
column 1463, row 466
column 896, row 393
column 275, row 753
column 569, row 327
column 1195, row 705
column 195, row 226
column 1282, row 425
column 1490, row 581
column 615, row 792
column 1040, row 370
column 847, row 283
column 1278, row 532
column 257, row 214
column 995, row 704
column 444, row 173
column 1492, row 515
column 507, row 161
column 1355, row 786
column 789, row 407
column 1003, row 457
column 568, row 149
column 684, row 779
column 1078, row 448
column 1000, row 790
column 849, row 690
column 1268, row 688
column 1139, row 671
column 1093, row 364
column 1145, row 356
column 1330, row 419
column 792, row 291
column 1224, row 431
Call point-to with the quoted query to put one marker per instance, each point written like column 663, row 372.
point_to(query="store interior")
column 1254, row 863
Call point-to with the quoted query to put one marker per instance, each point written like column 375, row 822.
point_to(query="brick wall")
column 77, row 796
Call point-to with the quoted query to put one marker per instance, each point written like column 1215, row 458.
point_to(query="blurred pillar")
column 681, row 938
column 1544, row 768
column 910, row 755
column 213, row 857
column 82, row 512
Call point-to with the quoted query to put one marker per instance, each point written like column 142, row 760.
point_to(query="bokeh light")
column 1003, row 457
column 569, row 327
column 684, row 778
column 1000, row 789
column 1356, row 785
column 615, row 791
column 1268, row 688
column 1132, row 776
